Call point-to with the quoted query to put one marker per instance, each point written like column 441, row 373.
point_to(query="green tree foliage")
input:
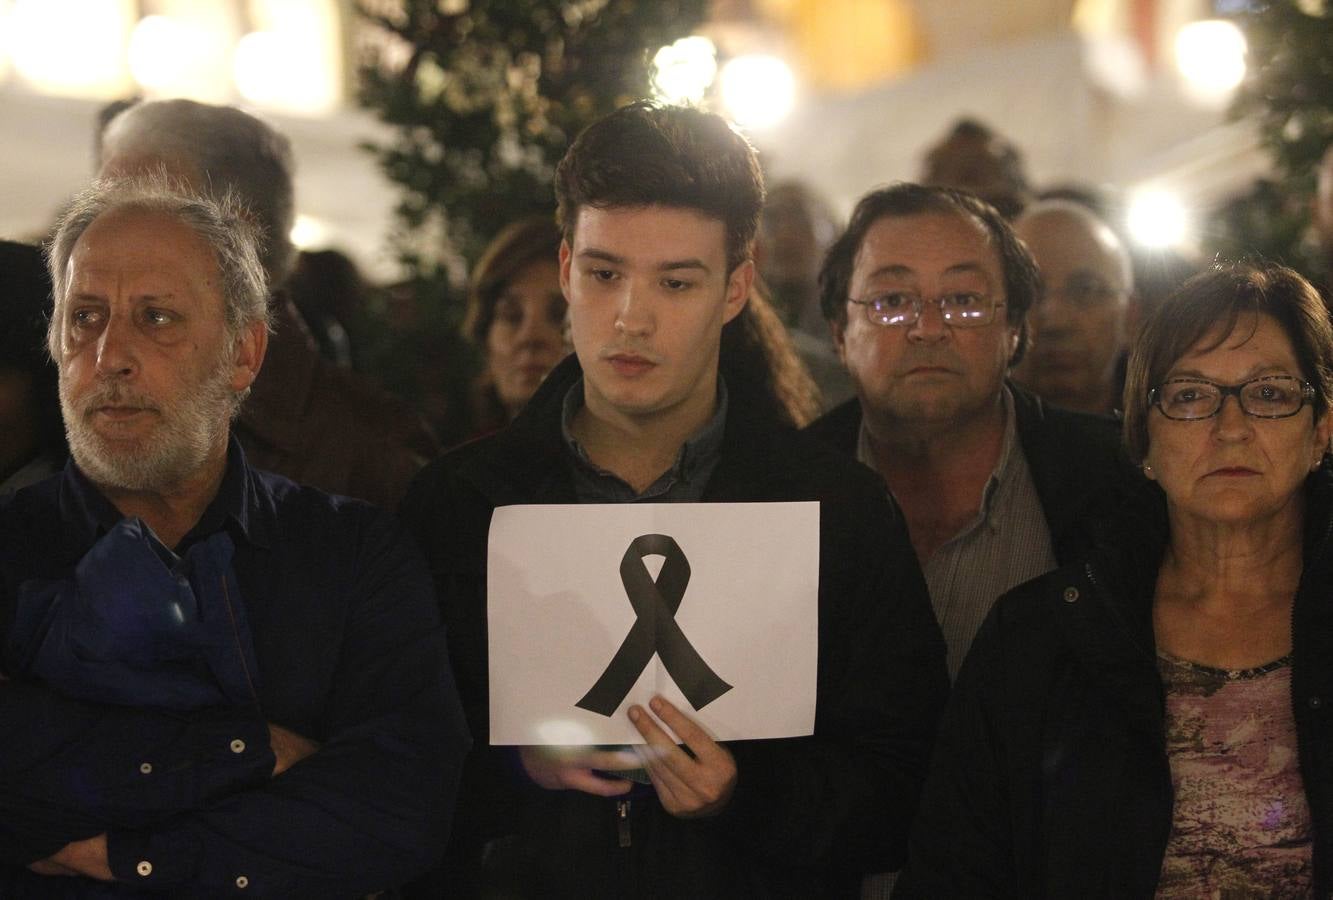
column 1290, row 93
column 485, row 96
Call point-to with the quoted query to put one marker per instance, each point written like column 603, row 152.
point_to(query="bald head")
column 218, row 149
column 1079, row 324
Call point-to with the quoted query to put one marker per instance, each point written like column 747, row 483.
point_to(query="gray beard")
column 187, row 434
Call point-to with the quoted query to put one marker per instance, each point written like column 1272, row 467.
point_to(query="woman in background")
column 516, row 317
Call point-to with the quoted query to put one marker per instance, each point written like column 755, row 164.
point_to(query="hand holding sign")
column 575, row 769
column 689, row 785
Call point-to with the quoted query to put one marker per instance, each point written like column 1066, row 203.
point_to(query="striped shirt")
column 1006, row 544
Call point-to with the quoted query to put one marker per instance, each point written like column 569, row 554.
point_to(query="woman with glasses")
column 1158, row 719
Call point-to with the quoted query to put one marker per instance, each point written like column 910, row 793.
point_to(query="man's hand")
column 289, row 748
column 86, row 857
column 571, row 768
column 687, row 786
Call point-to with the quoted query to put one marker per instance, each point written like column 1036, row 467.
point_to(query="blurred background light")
column 185, row 53
column 292, row 63
column 1157, row 219
column 758, row 90
column 1210, row 55
column 683, row 71
column 310, row 233
column 71, row 47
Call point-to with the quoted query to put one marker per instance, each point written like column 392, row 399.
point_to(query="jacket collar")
column 240, row 505
column 525, row 462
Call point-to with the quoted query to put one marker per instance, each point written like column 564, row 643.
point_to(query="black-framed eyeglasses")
column 1268, row 397
column 961, row 309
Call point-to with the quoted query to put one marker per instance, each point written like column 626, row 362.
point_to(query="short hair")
column 518, row 245
column 220, row 222
column 1216, row 299
column 1022, row 281
column 647, row 154
column 231, row 150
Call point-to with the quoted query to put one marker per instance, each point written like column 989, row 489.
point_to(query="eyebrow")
column 1258, row 372
column 902, row 270
column 668, row 266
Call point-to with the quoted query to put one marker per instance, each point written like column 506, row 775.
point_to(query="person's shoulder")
column 804, row 461
column 1039, row 419
column 302, row 507
column 839, row 427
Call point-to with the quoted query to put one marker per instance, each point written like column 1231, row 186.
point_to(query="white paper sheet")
column 558, row 613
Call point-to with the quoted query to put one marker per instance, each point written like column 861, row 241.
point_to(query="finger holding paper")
column 576, row 768
column 688, row 786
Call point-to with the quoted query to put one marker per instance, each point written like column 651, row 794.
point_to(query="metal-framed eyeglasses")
column 1268, row 397
column 961, row 309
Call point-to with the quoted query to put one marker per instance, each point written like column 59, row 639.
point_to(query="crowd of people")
column 1073, row 546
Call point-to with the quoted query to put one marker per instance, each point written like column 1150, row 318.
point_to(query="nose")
column 634, row 315
column 116, row 356
column 929, row 327
column 536, row 329
column 1232, row 422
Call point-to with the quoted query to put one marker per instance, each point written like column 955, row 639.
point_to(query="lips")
column 630, row 365
column 1232, row 472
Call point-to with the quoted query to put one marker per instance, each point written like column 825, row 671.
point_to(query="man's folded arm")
column 70, row 770
column 371, row 807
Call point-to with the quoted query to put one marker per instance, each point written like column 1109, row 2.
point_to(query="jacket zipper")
column 622, row 823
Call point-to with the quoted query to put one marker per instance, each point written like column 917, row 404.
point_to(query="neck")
column 172, row 513
column 937, row 473
column 638, row 448
column 1236, row 564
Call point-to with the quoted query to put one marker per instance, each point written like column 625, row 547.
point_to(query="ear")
column 1012, row 335
column 1323, row 430
column 739, row 283
column 839, row 332
column 248, row 355
column 566, row 259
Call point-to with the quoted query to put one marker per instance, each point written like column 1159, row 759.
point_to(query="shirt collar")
column 1004, row 466
column 704, row 446
column 236, row 505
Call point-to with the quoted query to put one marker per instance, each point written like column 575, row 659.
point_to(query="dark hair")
column 1022, row 282
column 25, row 303
column 1009, row 191
column 761, row 368
column 1216, row 299
column 518, row 245
column 646, row 154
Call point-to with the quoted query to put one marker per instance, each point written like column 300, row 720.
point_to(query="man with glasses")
column 1081, row 321
column 927, row 295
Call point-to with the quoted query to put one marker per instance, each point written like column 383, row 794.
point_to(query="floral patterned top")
column 1241, row 826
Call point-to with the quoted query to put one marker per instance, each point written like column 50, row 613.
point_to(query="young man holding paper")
column 659, row 207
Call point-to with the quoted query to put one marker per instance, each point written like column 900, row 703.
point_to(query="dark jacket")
column 1050, row 778
column 317, row 424
column 345, row 650
column 808, row 814
column 1077, row 466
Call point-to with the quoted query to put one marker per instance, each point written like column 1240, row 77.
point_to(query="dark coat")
column 1080, row 473
column 808, row 814
column 1050, row 778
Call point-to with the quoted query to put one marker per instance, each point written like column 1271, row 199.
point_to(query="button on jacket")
column 349, row 653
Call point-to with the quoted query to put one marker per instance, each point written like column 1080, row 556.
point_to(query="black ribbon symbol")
column 655, row 631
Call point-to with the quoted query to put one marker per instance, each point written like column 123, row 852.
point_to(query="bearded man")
column 215, row 680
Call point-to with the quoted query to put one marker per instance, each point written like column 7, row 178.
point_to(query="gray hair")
column 221, row 222
column 227, row 151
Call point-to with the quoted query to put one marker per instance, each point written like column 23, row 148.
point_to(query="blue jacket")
column 346, row 650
